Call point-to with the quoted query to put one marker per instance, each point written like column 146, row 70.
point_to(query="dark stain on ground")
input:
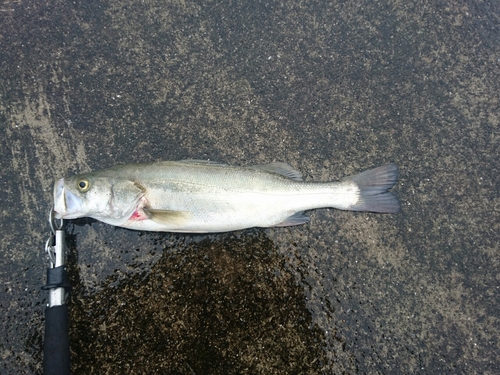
column 223, row 305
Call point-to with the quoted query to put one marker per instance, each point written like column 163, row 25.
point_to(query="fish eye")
column 83, row 185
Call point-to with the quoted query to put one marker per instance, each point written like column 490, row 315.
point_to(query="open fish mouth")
column 66, row 204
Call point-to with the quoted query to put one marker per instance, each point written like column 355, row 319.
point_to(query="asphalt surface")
column 332, row 88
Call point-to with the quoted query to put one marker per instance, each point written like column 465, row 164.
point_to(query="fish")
column 198, row 196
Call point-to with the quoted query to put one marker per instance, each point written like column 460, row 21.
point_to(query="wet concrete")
column 330, row 88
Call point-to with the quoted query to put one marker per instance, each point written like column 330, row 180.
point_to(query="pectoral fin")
column 168, row 217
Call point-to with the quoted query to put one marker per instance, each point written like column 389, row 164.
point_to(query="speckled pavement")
column 332, row 88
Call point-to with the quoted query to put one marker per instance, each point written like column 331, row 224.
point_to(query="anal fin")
column 296, row 219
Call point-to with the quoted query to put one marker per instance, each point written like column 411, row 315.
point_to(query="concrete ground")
column 331, row 88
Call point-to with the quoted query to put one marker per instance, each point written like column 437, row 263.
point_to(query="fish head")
column 100, row 197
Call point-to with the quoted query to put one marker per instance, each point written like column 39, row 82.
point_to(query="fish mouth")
column 66, row 204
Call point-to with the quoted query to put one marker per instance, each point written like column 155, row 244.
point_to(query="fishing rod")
column 56, row 355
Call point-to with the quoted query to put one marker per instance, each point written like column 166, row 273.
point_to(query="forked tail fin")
column 373, row 188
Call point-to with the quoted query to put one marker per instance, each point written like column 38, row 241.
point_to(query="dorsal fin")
column 203, row 162
column 283, row 169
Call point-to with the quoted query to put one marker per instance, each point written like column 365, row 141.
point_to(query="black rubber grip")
column 56, row 345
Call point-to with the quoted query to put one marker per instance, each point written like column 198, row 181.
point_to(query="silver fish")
column 202, row 196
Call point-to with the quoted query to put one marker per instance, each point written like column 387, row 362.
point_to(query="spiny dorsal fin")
column 203, row 162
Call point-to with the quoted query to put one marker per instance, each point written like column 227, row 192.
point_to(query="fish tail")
column 373, row 188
